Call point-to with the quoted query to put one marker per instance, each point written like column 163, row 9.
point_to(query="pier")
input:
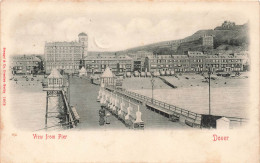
column 84, row 98
column 57, row 91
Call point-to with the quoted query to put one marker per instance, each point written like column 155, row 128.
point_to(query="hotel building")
column 67, row 56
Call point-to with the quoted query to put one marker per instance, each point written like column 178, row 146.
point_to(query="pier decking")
column 83, row 97
column 155, row 114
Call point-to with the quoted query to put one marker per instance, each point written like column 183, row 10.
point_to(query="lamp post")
column 209, row 73
column 152, row 81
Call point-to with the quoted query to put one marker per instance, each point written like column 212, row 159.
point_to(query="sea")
column 225, row 101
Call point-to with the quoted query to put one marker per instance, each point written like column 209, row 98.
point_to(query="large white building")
column 67, row 56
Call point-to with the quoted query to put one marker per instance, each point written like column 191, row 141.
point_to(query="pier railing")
column 185, row 116
column 71, row 116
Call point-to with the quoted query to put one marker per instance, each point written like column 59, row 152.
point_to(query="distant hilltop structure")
column 229, row 25
column 66, row 56
column 203, row 40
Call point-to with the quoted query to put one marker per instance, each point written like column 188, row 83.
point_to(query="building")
column 117, row 63
column 244, row 55
column 207, row 41
column 176, row 63
column 25, row 64
column 82, row 72
column 139, row 60
column 67, row 56
column 226, row 63
column 107, row 78
column 195, row 61
column 55, row 79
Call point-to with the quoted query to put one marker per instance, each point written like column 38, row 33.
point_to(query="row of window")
column 174, row 65
column 61, row 54
column 29, row 63
column 62, row 63
column 63, row 67
column 223, row 60
column 110, row 61
column 196, row 60
column 197, row 69
column 165, row 61
column 197, row 65
column 62, row 47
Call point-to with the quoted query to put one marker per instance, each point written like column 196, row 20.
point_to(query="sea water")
column 226, row 101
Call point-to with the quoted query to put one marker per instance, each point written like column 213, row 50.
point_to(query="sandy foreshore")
column 184, row 81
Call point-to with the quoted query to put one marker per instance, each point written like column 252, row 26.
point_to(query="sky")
column 109, row 27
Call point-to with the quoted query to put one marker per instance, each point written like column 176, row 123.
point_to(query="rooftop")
column 82, row 70
column 26, row 58
column 64, row 43
column 107, row 73
column 55, row 74
column 99, row 57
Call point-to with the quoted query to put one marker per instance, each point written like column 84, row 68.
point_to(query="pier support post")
column 46, row 114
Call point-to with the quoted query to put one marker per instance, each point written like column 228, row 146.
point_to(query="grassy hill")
column 235, row 38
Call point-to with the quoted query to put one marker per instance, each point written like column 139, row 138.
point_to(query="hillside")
column 234, row 37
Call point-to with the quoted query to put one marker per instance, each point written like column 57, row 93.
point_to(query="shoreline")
column 183, row 81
